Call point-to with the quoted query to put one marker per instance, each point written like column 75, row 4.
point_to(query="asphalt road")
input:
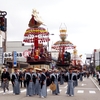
column 88, row 89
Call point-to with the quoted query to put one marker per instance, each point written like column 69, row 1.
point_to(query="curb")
column 95, row 83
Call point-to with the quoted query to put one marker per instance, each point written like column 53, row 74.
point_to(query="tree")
column 98, row 68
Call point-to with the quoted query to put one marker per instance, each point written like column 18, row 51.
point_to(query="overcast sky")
column 82, row 18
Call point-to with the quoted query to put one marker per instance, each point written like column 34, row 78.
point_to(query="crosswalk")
column 79, row 91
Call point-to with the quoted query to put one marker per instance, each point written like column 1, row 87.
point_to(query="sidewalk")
column 95, row 81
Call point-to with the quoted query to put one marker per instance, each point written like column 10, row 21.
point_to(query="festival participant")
column 54, row 79
column 16, row 82
column 29, row 81
column 84, row 74
column 70, row 77
column 81, row 75
column 61, row 78
column 43, row 90
column 37, row 87
column 48, row 81
column 21, row 78
column 34, row 77
column 24, row 81
column 76, row 75
column 5, row 78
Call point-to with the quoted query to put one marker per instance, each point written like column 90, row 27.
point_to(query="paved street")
column 86, row 90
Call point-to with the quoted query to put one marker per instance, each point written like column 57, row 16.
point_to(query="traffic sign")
column 14, row 58
column 26, row 53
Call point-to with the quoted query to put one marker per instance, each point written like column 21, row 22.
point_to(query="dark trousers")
column 24, row 83
column 5, row 85
column 99, row 81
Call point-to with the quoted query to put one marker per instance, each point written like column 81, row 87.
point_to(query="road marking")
column 95, row 84
column 48, row 90
column 1, row 91
column 80, row 91
column 86, row 88
column 10, row 92
column 66, row 86
column 23, row 90
column 93, row 92
column 6, row 92
column 83, row 84
column 60, row 90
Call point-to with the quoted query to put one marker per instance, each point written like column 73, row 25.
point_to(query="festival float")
column 76, row 59
column 64, row 57
column 38, row 36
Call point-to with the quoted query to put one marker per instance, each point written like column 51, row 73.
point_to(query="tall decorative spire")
column 63, row 30
column 35, row 21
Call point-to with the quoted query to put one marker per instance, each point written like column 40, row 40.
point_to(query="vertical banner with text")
column 14, row 58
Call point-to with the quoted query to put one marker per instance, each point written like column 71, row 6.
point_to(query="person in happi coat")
column 37, row 86
column 16, row 82
column 48, row 81
column 21, row 78
column 29, row 81
column 80, row 75
column 5, row 78
column 34, row 77
column 54, row 79
column 61, row 78
column 70, row 77
column 84, row 74
column 24, row 81
column 43, row 89
column 76, row 80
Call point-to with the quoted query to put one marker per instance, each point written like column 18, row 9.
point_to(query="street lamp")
column 63, row 35
column 94, row 56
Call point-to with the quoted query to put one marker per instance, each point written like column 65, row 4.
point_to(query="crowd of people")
column 36, row 81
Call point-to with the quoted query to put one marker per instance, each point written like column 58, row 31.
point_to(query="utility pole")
column 94, row 57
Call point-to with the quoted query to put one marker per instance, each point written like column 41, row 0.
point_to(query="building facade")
column 17, row 46
column 97, row 57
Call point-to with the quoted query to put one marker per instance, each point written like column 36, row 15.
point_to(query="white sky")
column 81, row 17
